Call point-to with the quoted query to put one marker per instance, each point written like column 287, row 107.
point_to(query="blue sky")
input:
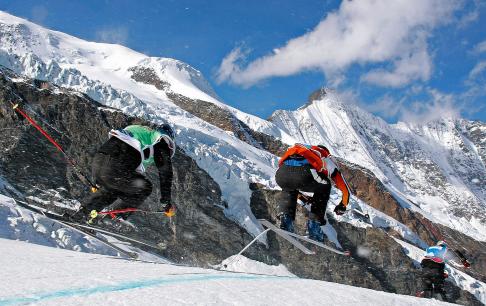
column 414, row 62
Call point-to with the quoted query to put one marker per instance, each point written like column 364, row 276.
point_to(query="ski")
column 116, row 235
column 317, row 243
column 286, row 236
column 59, row 218
column 465, row 262
column 362, row 214
column 128, row 254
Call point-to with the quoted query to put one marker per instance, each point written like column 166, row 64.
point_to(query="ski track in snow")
column 50, row 276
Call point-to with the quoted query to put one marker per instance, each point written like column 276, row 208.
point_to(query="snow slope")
column 435, row 168
column 50, row 276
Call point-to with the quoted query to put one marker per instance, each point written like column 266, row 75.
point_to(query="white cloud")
column 39, row 14
column 433, row 105
column 386, row 106
column 481, row 47
column 359, row 32
column 113, row 35
column 480, row 67
column 440, row 106
column 416, row 65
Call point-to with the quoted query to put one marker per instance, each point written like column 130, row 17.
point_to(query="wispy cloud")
column 39, row 14
column 478, row 69
column 113, row 35
column 481, row 47
column 359, row 32
column 432, row 105
column 439, row 106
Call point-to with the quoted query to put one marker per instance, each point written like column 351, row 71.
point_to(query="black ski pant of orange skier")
column 293, row 179
column 116, row 182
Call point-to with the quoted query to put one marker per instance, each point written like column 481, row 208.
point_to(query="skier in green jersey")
column 119, row 166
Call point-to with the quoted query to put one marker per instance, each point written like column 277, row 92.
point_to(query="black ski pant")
column 293, row 179
column 116, row 182
column 433, row 279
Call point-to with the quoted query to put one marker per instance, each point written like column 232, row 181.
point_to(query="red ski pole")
column 78, row 172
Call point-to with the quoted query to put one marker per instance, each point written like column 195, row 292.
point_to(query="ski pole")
column 246, row 247
column 71, row 161
column 112, row 213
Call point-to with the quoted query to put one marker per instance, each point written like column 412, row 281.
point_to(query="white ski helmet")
column 441, row 243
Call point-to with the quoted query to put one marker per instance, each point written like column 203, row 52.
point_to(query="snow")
column 239, row 263
column 51, row 276
column 22, row 224
column 459, row 278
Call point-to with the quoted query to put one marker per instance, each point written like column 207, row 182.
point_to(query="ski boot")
column 314, row 230
column 81, row 216
column 285, row 222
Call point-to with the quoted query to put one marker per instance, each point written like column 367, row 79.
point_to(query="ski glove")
column 340, row 209
column 167, row 208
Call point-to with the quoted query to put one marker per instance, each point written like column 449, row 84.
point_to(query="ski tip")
column 347, row 253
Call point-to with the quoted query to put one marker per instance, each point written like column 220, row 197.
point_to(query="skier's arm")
column 164, row 165
column 338, row 180
column 341, row 184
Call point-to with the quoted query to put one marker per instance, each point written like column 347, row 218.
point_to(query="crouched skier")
column 433, row 271
column 309, row 169
column 119, row 166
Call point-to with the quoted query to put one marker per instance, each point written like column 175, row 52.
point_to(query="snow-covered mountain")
column 436, row 168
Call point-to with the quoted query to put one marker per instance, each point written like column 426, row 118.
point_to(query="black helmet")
column 324, row 148
column 167, row 130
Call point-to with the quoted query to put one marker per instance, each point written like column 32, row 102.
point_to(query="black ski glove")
column 340, row 209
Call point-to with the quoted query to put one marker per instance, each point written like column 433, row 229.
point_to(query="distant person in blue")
column 433, row 271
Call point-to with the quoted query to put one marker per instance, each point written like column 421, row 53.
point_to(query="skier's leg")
column 287, row 202
column 288, row 179
column 103, row 196
column 319, row 202
column 99, row 200
column 321, row 190
column 136, row 190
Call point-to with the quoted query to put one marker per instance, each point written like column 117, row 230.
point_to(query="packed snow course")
column 49, row 276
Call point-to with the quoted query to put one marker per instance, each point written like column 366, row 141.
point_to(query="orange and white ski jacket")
column 321, row 161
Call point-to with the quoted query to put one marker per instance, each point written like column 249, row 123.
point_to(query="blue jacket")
column 436, row 253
